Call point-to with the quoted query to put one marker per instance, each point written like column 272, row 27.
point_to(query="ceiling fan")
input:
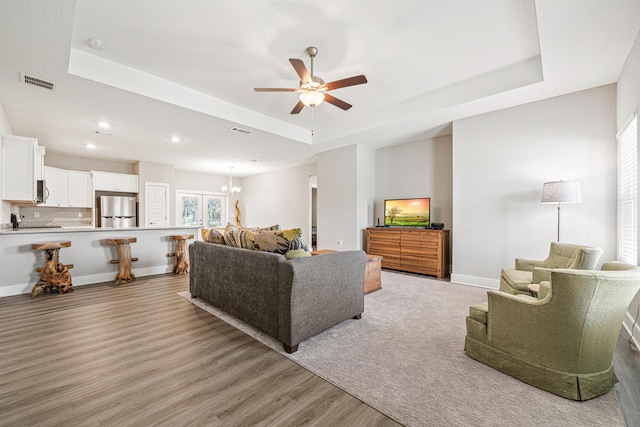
column 313, row 90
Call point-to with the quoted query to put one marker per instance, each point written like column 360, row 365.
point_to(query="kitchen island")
column 89, row 253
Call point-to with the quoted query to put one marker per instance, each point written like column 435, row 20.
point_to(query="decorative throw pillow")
column 242, row 237
column 296, row 253
column 278, row 241
column 212, row 235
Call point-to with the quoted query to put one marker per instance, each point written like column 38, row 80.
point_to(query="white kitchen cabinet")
column 107, row 181
column 67, row 188
column 22, row 164
column 80, row 189
column 57, row 187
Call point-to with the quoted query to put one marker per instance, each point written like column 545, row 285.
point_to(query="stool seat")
column 122, row 240
column 182, row 236
column 54, row 274
column 124, row 258
column 59, row 244
column 181, row 264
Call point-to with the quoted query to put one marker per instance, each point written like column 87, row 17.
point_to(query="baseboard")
column 481, row 282
column 25, row 288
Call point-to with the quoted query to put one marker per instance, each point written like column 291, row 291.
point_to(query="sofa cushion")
column 479, row 312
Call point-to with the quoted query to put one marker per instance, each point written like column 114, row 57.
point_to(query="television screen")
column 407, row 212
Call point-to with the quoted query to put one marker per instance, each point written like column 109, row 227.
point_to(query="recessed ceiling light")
column 104, row 125
column 91, row 146
column 175, row 139
column 96, row 44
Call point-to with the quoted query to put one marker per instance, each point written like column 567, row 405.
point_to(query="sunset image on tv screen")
column 407, row 212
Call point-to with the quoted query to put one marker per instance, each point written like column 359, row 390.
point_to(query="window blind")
column 628, row 192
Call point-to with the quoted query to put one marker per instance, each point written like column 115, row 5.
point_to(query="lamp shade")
column 311, row 98
column 561, row 192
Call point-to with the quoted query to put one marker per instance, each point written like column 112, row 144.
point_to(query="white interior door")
column 157, row 203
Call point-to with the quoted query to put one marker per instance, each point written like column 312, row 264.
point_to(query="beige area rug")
column 405, row 358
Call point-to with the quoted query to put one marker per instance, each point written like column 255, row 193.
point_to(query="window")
column 201, row 209
column 628, row 192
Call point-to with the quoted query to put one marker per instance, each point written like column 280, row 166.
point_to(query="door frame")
column 167, row 207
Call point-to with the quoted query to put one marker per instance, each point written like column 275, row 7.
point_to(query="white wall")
column 82, row 164
column 416, row 169
column 280, row 197
column 500, row 162
column 7, row 208
column 628, row 101
column 158, row 173
column 366, row 190
column 346, row 185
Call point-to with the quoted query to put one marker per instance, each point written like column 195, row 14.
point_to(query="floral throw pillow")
column 278, row 241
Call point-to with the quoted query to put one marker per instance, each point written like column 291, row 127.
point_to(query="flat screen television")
column 407, row 212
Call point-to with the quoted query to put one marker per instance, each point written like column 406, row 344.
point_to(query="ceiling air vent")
column 30, row 80
column 240, row 130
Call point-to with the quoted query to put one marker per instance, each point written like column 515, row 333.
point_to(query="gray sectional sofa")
column 290, row 300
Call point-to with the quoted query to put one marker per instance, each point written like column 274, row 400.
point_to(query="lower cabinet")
column 412, row 250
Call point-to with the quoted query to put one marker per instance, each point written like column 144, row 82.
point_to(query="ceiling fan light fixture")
column 312, row 98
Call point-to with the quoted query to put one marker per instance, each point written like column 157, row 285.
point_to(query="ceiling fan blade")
column 274, row 89
column 299, row 106
column 301, row 69
column 337, row 102
column 351, row 81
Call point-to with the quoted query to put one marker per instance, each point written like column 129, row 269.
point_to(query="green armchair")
column 563, row 342
column 561, row 255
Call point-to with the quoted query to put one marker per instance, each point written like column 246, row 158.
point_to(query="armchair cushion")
column 562, row 342
column 561, row 255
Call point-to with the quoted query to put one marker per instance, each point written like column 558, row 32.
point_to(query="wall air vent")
column 240, row 130
column 30, row 80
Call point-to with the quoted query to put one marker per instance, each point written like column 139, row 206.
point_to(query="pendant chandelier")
column 230, row 189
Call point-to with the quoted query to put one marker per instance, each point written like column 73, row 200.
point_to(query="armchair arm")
column 541, row 274
column 526, row 264
column 518, row 325
column 545, row 289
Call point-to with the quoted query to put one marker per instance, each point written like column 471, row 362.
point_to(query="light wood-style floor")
column 140, row 355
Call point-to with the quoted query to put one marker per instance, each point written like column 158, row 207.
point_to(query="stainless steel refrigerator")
column 117, row 211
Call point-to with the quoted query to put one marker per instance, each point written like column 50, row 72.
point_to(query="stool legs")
column 54, row 274
column 180, row 264
column 124, row 264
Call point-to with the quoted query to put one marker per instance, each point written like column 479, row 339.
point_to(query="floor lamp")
column 561, row 192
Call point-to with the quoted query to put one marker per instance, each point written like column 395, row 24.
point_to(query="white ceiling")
column 188, row 68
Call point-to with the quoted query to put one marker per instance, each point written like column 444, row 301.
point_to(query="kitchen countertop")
column 72, row 229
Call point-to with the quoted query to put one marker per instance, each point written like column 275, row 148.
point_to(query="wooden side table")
column 124, row 259
column 372, row 271
column 54, row 274
column 181, row 263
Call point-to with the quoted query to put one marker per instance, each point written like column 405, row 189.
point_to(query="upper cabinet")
column 22, row 169
column 65, row 188
column 107, row 181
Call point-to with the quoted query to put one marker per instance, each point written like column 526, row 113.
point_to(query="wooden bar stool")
column 124, row 259
column 54, row 274
column 181, row 263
